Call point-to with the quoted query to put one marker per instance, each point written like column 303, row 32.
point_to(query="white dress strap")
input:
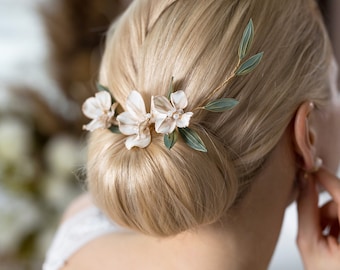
column 74, row 233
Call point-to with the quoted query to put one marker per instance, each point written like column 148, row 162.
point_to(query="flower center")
column 143, row 126
column 175, row 116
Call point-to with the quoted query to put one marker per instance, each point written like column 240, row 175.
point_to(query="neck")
column 246, row 238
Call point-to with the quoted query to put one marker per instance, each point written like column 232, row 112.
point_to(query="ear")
column 305, row 137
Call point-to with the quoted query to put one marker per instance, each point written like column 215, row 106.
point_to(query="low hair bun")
column 158, row 191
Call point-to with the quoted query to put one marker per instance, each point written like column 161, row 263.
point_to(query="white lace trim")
column 75, row 233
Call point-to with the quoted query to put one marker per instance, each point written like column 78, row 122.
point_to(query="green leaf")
column 221, row 105
column 101, row 87
column 171, row 88
column 114, row 129
column 250, row 64
column 192, row 139
column 247, row 39
column 170, row 139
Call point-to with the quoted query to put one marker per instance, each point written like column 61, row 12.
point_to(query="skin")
column 321, row 250
column 252, row 231
column 246, row 237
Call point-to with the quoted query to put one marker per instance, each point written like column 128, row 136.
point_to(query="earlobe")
column 305, row 137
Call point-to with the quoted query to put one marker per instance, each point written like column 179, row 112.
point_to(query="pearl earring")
column 317, row 164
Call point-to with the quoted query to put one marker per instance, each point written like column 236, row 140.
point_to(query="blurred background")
column 49, row 56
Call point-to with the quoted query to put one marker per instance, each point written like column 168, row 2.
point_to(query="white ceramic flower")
column 19, row 217
column 135, row 122
column 100, row 109
column 170, row 114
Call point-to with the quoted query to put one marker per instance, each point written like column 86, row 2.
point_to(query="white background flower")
column 63, row 154
column 15, row 139
column 100, row 109
column 169, row 114
column 19, row 216
column 135, row 122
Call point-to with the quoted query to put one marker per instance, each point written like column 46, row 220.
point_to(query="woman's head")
column 164, row 192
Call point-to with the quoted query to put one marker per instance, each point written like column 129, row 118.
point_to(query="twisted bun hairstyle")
column 164, row 192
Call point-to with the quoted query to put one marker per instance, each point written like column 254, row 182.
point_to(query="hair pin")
column 167, row 113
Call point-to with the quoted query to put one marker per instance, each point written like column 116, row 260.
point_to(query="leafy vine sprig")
column 223, row 104
column 167, row 112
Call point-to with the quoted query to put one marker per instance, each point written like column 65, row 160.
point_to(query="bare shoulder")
column 117, row 250
column 126, row 249
column 103, row 251
column 80, row 203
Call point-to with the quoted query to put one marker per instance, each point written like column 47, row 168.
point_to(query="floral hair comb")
column 167, row 113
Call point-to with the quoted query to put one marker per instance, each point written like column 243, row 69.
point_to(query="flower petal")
column 135, row 141
column 179, row 99
column 94, row 124
column 126, row 118
column 94, row 107
column 91, row 108
column 184, row 120
column 127, row 124
column 135, row 106
column 166, row 126
column 161, row 105
column 128, row 129
column 104, row 100
column 158, row 119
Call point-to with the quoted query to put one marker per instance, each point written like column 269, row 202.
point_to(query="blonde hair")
column 164, row 192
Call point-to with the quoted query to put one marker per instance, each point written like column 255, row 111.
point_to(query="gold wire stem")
column 233, row 74
column 198, row 108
